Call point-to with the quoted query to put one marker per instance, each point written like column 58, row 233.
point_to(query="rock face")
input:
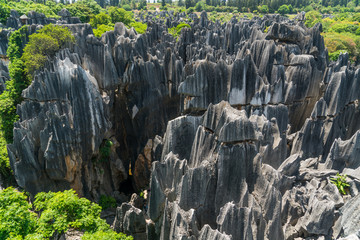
column 33, row 17
column 4, row 75
column 240, row 129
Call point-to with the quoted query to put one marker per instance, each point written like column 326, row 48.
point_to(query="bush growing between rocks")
column 340, row 182
column 57, row 213
column 25, row 60
column 106, row 202
column 101, row 235
column 175, row 31
column 104, row 22
column 43, row 45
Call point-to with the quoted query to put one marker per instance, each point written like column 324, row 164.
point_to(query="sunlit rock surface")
column 235, row 128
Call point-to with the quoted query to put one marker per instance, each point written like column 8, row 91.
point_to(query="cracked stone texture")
column 240, row 130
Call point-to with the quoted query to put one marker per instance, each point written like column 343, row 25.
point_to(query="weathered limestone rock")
column 205, row 189
column 53, row 128
column 253, row 125
column 131, row 221
column 4, row 75
column 334, row 116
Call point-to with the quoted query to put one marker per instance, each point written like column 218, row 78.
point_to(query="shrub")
column 190, row 10
column 102, row 29
column 105, row 150
column 312, row 18
column 64, row 210
column 175, row 31
column 43, row 45
column 108, row 235
column 4, row 12
column 126, row 7
column 342, row 41
column 283, row 9
column 199, row 6
column 100, row 19
column 139, row 27
column 340, row 182
column 120, row 15
column 16, row 219
column 11, row 97
column 263, row 9
column 106, row 202
column 343, row 27
column 335, row 55
column 58, row 212
column 84, row 9
column 17, row 41
column 5, row 169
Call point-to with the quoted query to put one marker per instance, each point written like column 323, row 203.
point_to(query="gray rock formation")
column 36, row 18
column 131, row 221
column 220, row 184
column 240, row 130
column 4, row 75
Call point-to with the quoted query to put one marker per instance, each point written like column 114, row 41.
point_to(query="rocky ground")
column 236, row 128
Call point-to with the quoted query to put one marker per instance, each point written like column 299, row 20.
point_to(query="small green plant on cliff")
column 105, row 150
column 106, row 202
column 11, row 97
column 57, row 213
column 43, row 45
column 27, row 54
column 175, row 31
column 340, row 182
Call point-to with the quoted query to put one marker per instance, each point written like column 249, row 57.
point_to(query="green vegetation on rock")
column 340, row 182
column 27, row 54
column 43, row 45
column 50, row 214
column 16, row 218
column 110, row 235
column 175, row 31
column 106, row 202
column 105, row 21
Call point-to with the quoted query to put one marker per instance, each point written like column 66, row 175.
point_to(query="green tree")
column 176, row 31
column 57, row 213
column 109, row 235
column 43, row 45
column 199, row 6
column 312, row 18
column 102, row 29
column 100, row 19
column 188, row 3
column 84, row 9
column 142, row 5
column 38, row 51
column 64, row 210
column 4, row 12
column 263, row 9
column 120, row 15
column 283, row 9
column 24, row 61
column 16, row 219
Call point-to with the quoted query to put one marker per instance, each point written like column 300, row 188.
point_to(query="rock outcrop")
column 240, row 128
column 4, row 75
